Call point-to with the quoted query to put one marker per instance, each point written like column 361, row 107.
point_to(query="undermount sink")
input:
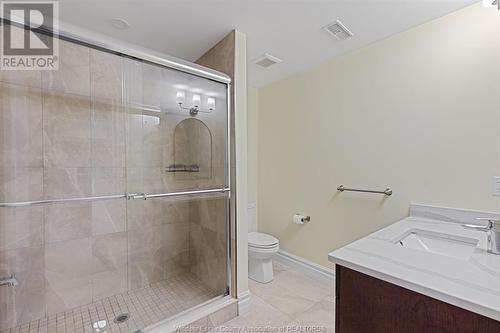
column 438, row 243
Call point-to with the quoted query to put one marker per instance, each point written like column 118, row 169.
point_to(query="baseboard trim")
column 305, row 266
column 244, row 302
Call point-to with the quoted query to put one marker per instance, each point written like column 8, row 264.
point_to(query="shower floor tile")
column 144, row 306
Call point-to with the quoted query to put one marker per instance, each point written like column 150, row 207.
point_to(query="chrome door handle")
column 135, row 196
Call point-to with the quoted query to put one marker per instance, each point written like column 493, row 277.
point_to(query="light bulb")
column 196, row 101
column 211, row 103
column 180, row 98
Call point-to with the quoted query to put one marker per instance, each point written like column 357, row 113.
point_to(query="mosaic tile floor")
column 145, row 306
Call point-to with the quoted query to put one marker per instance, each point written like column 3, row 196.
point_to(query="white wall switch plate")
column 496, row 186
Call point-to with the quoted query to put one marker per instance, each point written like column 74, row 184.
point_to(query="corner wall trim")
column 244, row 303
column 305, row 266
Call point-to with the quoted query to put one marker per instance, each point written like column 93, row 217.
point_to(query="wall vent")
column 338, row 30
column 267, row 60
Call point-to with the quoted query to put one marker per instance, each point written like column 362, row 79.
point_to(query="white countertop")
column 472, row 284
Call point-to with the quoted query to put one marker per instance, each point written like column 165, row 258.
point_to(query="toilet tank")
column 252, row 217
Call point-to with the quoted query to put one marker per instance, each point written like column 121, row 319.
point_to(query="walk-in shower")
column 114, row 196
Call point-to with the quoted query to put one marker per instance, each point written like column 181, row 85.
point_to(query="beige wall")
column 418, row 112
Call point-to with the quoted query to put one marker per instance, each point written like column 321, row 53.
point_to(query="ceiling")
column 287, row 29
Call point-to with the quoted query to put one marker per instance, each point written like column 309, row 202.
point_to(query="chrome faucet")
column 9, row 281
column 493, row 230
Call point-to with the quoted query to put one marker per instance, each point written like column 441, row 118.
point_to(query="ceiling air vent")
column 267, row 60
column 338, row 30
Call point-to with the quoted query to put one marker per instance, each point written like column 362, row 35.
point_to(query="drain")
column 121, row 318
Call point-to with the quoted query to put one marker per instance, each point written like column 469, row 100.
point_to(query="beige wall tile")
column 208, row 257
column 179, row 264
column 30, row 78
column 67, row 130
column 109, row 283
column 20, row 126
column 166, row 211
column 73, row 75
column 154, row 250
column 108, row 135
column 26, row 302
column 109, row 264
column 143, row 272
column 67, row 294
column 108, row 216
column 69, row 259
column 68, row 271
column 21, row 227
column 67, row 221
column 20, row 184
column 108, row 181
column 155, row 180
column 109, row 251
column 163, row 242
column 21, row 307
column 134, row 140
column 135, row 183
column 67, row 182
column 153, row 136
column 210, row 213
column 22, row 78
column 105, row 76
column 152, row 87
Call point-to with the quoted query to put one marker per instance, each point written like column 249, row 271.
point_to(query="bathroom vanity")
column 425, row 273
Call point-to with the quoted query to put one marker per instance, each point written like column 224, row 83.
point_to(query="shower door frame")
column 171, row 62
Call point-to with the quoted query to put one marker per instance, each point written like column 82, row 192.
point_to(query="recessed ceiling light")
column 267, row 60
column 119, row 23
column 338, row 30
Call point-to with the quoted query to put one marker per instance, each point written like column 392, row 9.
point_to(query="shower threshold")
column 131, row 311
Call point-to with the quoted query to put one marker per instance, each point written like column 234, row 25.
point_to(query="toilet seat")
column 262, row 241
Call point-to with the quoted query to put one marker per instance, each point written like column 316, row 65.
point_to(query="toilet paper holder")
column 301, row 219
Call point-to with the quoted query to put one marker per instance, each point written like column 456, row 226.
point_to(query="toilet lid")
column 259, row 239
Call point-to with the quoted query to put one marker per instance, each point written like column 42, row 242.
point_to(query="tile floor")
column 291, row 299
column 145, row 306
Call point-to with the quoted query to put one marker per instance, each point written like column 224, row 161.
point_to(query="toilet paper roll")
column 300, row 219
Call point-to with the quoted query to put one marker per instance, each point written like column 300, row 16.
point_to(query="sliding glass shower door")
column 176, row 172
column 113, row 193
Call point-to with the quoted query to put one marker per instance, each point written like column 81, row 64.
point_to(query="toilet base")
column 260, row 270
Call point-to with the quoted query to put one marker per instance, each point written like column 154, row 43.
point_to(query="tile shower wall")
column 62, row 136
column 67, row 134
column 207, row 236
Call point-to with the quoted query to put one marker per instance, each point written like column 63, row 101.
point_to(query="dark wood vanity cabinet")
column 365, row 304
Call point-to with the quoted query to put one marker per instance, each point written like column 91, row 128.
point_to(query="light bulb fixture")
column 491, row 3
column 211, row 103
column 196, row 101
column 180, row 99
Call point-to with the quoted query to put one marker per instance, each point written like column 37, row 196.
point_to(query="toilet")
column 261, row 248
